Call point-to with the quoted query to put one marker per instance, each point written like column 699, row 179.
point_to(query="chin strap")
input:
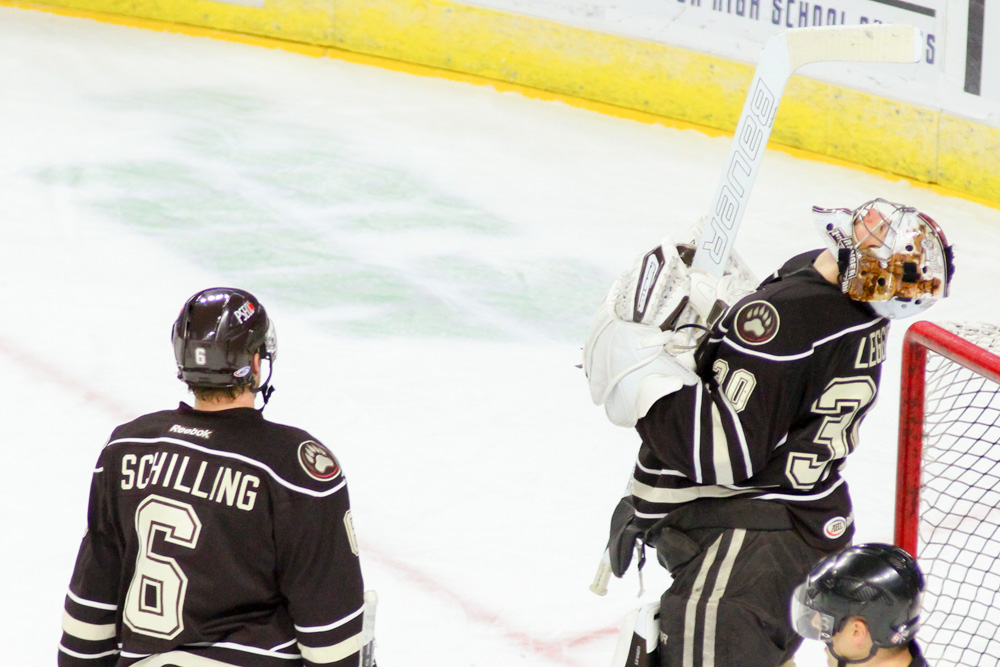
column 264, row 388
column 843, row 662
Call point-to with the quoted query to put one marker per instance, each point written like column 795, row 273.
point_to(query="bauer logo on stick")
column 757, row 323
column 317, row 461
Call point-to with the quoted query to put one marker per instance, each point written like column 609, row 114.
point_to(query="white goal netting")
column 958, row 523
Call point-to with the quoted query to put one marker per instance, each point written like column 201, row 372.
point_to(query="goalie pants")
column 728, row 606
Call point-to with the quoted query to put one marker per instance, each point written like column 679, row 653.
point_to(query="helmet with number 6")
column 216, row 336
column 891, row 256
column 878, row 583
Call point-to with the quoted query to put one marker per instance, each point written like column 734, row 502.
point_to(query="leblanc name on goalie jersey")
column 216, row 537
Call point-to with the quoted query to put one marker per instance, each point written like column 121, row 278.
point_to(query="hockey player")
column 864, row 603
column 216, row 537
column 738, row 481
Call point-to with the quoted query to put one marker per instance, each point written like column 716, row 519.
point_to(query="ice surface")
column 431, row 253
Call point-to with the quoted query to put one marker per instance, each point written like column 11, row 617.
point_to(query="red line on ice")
column 551, row 649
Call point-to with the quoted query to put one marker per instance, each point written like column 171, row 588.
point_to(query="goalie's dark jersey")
column 788, row 374
column 215, row 538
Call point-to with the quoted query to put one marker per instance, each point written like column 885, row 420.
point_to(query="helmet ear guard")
column 901, row 266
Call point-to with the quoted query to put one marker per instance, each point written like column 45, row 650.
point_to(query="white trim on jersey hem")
column 683, row 495
column 800, row 355
column 231, row 646
column 331, row 626
column 238, row 457
column 91, row 603
column 815, row 496
column 87, row 656
column 666, row 472
column 180, row 659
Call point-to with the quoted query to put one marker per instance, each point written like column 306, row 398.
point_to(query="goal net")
column 948, row 486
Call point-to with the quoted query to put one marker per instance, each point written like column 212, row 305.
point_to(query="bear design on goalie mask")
column 757, row 323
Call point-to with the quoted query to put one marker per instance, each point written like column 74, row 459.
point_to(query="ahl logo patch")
column 317, row 461
column 836, row 527
column 757, row 323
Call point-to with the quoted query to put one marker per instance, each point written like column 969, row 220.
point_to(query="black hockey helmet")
column 216, row 336
column 879, row 583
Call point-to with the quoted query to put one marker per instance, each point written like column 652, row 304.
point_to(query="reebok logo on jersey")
column 183, row 430
column 757, row 323
column 317, row 461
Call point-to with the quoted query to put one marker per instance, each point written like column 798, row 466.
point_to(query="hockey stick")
column 784, row 53
column 368, row 630
column 599, row 585
column 603, row 575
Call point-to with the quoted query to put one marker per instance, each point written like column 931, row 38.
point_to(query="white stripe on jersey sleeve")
column 87, row 631
column 331, row 626
column 335, row 652
column 696, row 437
column 91, row 603
column 87, row 656
column 738, row 427
column 721, row 463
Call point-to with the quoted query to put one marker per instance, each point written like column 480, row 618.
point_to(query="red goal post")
column 948, row 485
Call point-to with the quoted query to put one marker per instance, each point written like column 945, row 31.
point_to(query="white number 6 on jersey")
column 155, row 599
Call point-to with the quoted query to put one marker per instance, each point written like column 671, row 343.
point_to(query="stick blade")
column 871, row 42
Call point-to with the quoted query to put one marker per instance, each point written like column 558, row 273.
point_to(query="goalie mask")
column 879, row 583
column 216, row 336
column 891, row 256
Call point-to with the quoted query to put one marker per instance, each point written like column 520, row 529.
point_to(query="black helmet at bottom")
column 879, row 583
column 216, row 335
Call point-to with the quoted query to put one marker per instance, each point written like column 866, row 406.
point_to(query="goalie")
column 738, row 485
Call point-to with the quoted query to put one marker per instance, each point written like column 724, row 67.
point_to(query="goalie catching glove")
column 642, row 339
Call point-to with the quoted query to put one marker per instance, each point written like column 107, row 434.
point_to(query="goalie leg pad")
column 639, row 638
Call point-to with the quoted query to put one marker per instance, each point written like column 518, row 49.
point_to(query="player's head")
column 891, row 256
column 878, row 584
column 216, row 337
